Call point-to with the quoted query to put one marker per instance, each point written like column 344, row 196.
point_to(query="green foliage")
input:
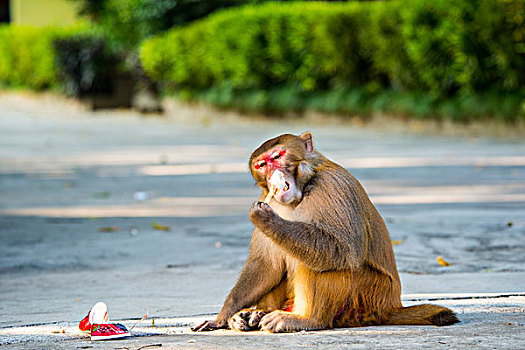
column 465, row 46
column 409, row 57
column 313, row 45
column 27, row 56
column 128, row 22
column 73, row 59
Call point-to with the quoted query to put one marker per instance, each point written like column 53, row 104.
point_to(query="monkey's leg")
column 257, row 278
column 319, row 297
column 262, row 271
column 248, row 319
column 276, row 298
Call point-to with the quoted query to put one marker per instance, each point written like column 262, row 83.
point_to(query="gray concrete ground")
column 66, row 174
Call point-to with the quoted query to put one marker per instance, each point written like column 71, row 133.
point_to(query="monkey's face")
column 278, row 159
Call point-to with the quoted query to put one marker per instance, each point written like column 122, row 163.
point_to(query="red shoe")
column 98, row 314
column 109, row 331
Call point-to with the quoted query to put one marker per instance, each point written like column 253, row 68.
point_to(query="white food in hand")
column 277, row 181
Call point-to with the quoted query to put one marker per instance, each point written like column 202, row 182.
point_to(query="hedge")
column 261, row 46
column 74, row 60
column 457, row 50
column 27, row 57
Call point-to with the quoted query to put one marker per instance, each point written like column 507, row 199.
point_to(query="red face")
column 276, row 159
column 270, row 161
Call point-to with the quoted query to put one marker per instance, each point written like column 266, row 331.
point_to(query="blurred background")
column 459, row 60
column 144, row 202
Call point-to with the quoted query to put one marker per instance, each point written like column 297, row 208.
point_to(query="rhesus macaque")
column 320, row 255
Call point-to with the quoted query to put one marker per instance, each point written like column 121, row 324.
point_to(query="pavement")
column 149, row 211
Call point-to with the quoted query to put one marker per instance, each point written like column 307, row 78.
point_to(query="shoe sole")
column 114, row 336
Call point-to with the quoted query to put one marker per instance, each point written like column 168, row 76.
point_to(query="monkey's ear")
column 305, row 171
column 308, row 141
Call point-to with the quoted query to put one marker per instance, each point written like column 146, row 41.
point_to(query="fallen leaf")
column 442, row 261
column 160, row 227
column 205, row 120
column 101, row 195
column 397, row 241
column 108, row 229
column 69, row 184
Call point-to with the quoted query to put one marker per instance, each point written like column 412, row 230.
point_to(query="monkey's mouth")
column 285, row 187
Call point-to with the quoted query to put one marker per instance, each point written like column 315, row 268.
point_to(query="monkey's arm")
column 262, row 272
column 321, row 248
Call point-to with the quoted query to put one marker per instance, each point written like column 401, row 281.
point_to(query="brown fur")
column 328, row 253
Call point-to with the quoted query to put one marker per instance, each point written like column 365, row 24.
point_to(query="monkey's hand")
column 261, row 214
column 208, row 326
column 246, row 320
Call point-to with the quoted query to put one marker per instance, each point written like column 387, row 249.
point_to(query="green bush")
column 403, row 56
column 27, row 57
column 465, row 46
column 313, row 45
column 72, row 59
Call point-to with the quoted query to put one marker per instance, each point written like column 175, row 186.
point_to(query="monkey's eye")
column 260, row 165
column 276, row 155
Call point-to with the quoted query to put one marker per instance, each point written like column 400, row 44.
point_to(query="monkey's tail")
column 425, row 314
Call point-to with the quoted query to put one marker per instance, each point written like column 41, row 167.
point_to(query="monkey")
column 320, row 256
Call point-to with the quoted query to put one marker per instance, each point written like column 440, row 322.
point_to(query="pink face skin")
column 276, row 159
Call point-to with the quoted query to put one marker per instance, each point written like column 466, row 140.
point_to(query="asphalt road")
column 83, row 196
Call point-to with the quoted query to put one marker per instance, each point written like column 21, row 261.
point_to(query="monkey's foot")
column 208, row 326
column 282, row 321
column 246, row 320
